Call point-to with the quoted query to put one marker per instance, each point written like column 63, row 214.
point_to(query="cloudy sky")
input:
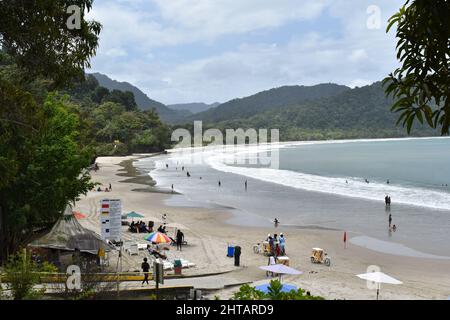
column 215, row 50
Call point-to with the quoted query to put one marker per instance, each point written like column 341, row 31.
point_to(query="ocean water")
column 322, row 185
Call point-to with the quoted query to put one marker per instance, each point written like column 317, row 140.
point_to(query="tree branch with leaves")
column 421, row 85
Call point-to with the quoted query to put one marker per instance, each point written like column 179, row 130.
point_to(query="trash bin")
column 230, row 252
column 237, row 256
column 177, row 266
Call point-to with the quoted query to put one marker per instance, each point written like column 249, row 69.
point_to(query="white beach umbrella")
column 280, row 269
column 378, row 278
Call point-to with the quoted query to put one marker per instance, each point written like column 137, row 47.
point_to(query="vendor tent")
column 68, row 235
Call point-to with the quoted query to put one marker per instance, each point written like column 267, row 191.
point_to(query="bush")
column 247, row 292
column 22, row 274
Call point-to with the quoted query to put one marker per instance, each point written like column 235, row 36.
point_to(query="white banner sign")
column 111, row 219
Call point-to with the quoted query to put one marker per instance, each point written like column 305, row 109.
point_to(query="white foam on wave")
column 219, row 159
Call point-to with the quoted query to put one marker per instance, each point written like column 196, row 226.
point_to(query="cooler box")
column 230, row 252
column 177, row 266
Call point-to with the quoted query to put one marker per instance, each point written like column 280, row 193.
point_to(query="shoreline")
column 208, row 233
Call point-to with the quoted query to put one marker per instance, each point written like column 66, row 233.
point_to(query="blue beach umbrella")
column 265, row 288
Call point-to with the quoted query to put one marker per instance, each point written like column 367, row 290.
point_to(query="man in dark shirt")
column 145, row 268
column 180, row 239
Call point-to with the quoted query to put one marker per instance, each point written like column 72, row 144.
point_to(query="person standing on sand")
column 282, row 245
column 390, row 220
column 180, row 239
column 145, row 268
column 172, row 187
column 220, row 183
column 245, row 185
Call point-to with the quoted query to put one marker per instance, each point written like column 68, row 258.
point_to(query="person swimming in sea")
column 276, row 222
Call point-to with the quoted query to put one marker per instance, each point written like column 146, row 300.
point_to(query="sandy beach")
column 208, row 233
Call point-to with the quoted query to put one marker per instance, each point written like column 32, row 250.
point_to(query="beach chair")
column 142, row 246
column 134, row 249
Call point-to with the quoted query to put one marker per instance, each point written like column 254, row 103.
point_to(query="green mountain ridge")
column 355, row 113
column 265, row 100
column 142, row 100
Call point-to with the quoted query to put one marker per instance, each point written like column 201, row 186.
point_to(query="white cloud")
column 354, row 55
column 115, row 52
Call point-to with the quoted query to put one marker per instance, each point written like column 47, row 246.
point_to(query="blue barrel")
column 230, row 252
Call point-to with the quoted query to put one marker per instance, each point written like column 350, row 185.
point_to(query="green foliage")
column 36, row 35
column 43, row 164
column 22, row 275
column 421, row 85
column 246, row 292
column 115, row 126
column 125, row 98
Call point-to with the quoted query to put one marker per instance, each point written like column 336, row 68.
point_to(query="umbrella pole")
column 378, row 290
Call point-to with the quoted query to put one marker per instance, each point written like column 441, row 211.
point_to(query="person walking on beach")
column 276, row 222
column 386, row 200
column 389, row 201
column 245, row 185
column 172, row 187
column 110, row 187
column 145, row 268
column 182, row 168
column 220, row 184
column 180, row 239
column 390, row 220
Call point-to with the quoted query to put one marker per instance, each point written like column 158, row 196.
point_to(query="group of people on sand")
column 107, row 189
column 139, row 227
column 277, row 245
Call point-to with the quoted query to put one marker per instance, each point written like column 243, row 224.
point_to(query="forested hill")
column 143, row 101
column 278, row 97
column 354, row 113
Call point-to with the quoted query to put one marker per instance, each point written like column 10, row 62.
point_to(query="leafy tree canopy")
column 421, row 85
column 36, row 35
